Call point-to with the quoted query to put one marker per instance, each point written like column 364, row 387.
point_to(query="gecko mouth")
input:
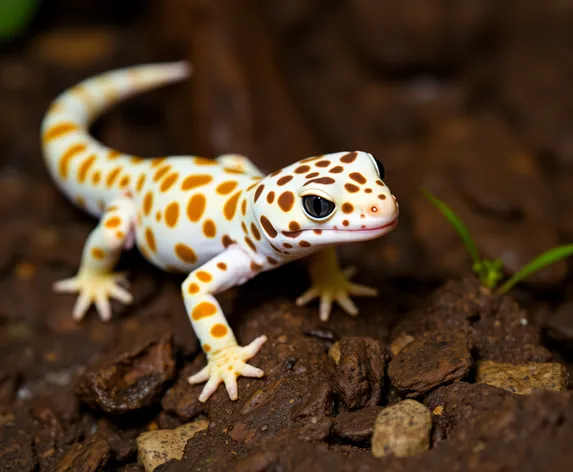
column 340, row 230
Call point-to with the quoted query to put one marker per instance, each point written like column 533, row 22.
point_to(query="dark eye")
column 316, row 206
column 380, row 168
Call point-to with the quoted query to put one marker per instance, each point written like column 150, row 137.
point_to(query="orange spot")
column 59, row 130
column 156, row 161
column 113, row 154
column 204, row 276
column 244, row 207
column 219, row 330
column 185, row 253
column 226, row 187
column 98, row 253
column 168, row 182
column 203, row 161
column 85, row 167
column 230, row 170
column 158, row 216
column 172, row 214
column 250, row 187
column 206, row 347
column 96, row 177
column 193, row 288
column 80, row 201
column 194, row 181
column 161, row 172
column 135, row 159
column 111, row 208
column 120, row 235
column 124, row 181
column 231, row 206
column 140, row 182
column 196, row 207
column 203, row 310
column 209, row 229
column 68, row 156
column 150, row 238
column 112, row 176
column 147, row 203
column 113, row 222
column 222, row 266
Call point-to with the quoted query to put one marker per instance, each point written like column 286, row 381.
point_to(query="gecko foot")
column 225, row 366
column 94, row 288
column 336, row 287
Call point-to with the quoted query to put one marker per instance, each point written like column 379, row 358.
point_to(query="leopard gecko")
column 220, row 221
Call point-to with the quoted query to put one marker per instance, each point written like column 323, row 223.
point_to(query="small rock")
column 360, row 371
column 159, row 446
column 319, row 403
column 121, row 442
column 132, row 380
column 402, row 430
column 400, row 343
column 523, row 379
column 437, row 358
column 356, row 425
column 314, row 428
column 16, row 451
column 91, row 455
column 334, row 352
column 182, row 399
column 257, row 462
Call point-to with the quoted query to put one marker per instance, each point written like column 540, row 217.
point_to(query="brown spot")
column 276, row 249
column 322, row 164
column 172, row 214
column 59, row 130
column 368, row 190
column 251, row 244
column 336, row 170
column 231, row 206
column 203, row 161
column 317, row 231
column 312, row 175
column 203, row 310
column 275, row 173
column 268, row 227
column 113, row 154
column 259, row 191
column 382, row 197
column 270, row 197
column 150, row 238
column 348, row 158
column 351, row 188
column 379, row 182
column 345, row 223
column 124, row 181
column 321, row 180
column 244, row 207
column 358, row 177
column 193, row 288
column 284, row 180
column 219, row 331
column 286, row 201
column 287, row 245
column 196, row 207
column 206, row 347
column 96, row 177
column 113, row 222
column 156, row 161
column 255, row 232
column 185, row 253
column 302, row 169
column 209, row 229
column 169, row 181
column 292, row 234
column 230, row 170
column 244, row 226
column 204, row 276
column 98, row 253
column 68, row 156
column 80, row 201
column 294, row 226
column 347, row 207
column 140, row 182
column 304, row 243
column 194, row 181
column 226, row 241
column 112, row 176
column 85, row 167
column 222, row 265
column 161, row 172
column 271, row 260
column 147, row 203
column 226, row 187
column 255, row 266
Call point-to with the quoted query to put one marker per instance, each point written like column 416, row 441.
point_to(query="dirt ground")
column 469, row 99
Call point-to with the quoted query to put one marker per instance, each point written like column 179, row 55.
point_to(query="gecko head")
column 323, row 200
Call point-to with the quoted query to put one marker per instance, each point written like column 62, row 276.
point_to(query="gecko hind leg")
column 240, row 163
column 96, row 282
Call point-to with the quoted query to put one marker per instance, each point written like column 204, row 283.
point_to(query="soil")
column 470, row 99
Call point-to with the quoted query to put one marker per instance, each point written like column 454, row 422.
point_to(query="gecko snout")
column 382, row 208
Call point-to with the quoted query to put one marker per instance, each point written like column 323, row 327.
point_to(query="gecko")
column 219, row 221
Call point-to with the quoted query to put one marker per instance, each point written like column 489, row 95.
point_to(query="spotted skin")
column 220, row 221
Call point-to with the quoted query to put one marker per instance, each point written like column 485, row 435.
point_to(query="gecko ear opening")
column 317, row 207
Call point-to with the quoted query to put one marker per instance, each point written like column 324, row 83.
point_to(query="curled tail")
column 87, row 171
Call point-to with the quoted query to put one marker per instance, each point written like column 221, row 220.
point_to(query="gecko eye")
column 317, row 207
column 380, row 168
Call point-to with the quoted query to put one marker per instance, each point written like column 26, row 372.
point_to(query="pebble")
column 402, row 429
column 89, row 456
column 157, row 447
column 357, row 425
column 525, row 378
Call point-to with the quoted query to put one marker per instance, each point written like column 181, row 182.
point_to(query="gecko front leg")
column 95, row 281
column 331, row 283
column 226, row 360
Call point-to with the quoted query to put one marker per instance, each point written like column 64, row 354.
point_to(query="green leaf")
column 543, row 260
column 15, row 16
column 457, row 223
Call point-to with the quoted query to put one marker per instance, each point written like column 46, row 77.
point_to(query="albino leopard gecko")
column 221, row 221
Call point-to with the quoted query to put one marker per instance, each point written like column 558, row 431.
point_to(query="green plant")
column 15, row 16
column 490, row 272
